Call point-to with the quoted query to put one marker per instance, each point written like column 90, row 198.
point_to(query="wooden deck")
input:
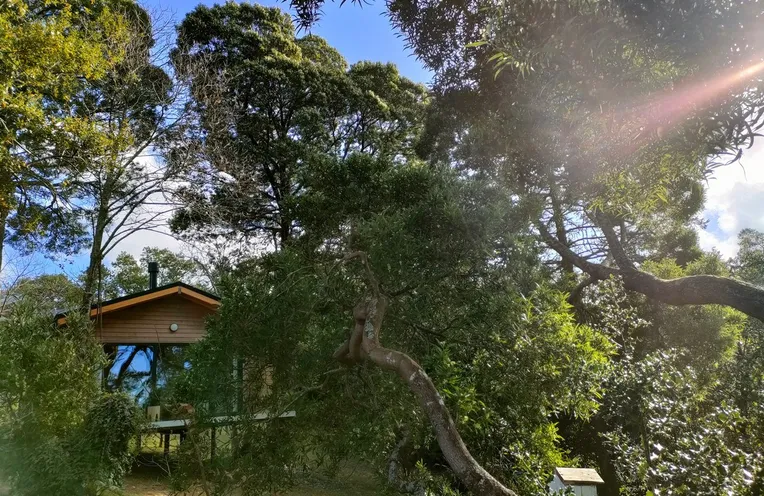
column 175, row 425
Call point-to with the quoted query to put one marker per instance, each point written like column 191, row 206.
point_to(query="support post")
column 167, row 445
column 213, row 443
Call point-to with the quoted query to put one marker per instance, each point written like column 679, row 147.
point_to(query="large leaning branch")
column 364, row 344
column 689, row 290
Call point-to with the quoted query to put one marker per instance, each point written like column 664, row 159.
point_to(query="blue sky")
column 359, row 32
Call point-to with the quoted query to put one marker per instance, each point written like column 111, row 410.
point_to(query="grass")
column 149, row 479
column 357, row 483
column 152, row 480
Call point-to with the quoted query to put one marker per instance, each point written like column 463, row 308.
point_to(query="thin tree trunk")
column 96, row 259
column 125, row 366
column 559, row 219
column 4, row 213
column 394, row 467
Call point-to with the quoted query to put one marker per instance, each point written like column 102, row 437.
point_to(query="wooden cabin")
column 162, row 317
column 171, row 314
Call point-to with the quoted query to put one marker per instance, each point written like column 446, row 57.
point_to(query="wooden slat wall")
column 149, row 323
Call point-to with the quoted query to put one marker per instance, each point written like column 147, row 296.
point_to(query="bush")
column 58, row 433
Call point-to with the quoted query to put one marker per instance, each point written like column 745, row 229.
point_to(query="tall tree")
column 134, row 107
column 51, row 50
column 598, row 117
column 606, row 117
column 430, row 256
column 269, row 106
column 605, row 122
column 294, row 146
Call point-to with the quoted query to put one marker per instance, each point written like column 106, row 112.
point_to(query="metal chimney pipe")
column 153, row 272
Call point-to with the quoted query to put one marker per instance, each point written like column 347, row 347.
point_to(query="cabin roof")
column 196, row 295
column 578, row 476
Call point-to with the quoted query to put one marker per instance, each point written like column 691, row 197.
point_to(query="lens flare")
column 677, row 104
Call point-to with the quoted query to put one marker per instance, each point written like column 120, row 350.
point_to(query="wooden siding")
column 149, row 322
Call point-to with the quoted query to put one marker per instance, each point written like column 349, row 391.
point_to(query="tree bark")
column 689, row 290
column 558, row 216
column 96, row 258
column 4, row 213
column 394, row 467
column 368, row 318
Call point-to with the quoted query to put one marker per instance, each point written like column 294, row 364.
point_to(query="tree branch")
column 616, row 248
column 367, row 317
column 689, row 290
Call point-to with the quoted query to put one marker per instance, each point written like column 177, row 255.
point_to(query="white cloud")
column 157, row 208
column 135, row 243
column 735, row 201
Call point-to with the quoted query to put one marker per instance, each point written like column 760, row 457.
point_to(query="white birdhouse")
column 583, row 481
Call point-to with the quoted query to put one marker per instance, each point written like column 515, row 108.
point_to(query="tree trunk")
column 364, row 342
column 466, row 468
column 125, row 366
column 688, row 290
column 92, row 275
column 395, row 466
column 4, row 213
column 558, row 216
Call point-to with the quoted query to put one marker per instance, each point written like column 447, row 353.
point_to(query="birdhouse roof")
column 578, row 476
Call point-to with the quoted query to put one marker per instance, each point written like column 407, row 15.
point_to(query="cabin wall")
column 149, row 323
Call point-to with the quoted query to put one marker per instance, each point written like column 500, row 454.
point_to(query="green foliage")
column 689, row 442
column 58, row 434
column 504, row 363
column 51, row 50
column 709, row 333
column 103, row 440
column 572, row 114
column 52, row 293
column 292, row 105
column 676, row 416
column 749, row 263
column 126, row 275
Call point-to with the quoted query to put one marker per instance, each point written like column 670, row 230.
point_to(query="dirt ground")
column 143, row 486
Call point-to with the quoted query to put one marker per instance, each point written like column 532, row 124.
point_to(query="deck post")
column 213, row 442
column 167, row 445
